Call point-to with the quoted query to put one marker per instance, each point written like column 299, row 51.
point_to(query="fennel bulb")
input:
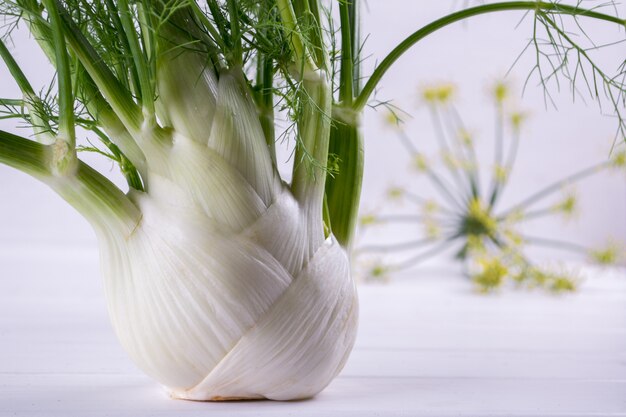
column 219, row 291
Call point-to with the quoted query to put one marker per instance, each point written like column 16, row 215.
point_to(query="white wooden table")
column 427, row 346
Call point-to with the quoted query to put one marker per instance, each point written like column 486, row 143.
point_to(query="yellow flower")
column 562, row 283
column 368, row 219
column 557, row 282
column 479, row 218
column 492, row 274
column 431, row 228
column 392, row 119
column 466, row 137
column 514, row 238
column 438, row 94
column 500, row 173
column 378, row 272
column 607, row 255
column 619, row 159
column 450, row 160
column 567, row 206
column 395, row 193
column 517, row 118
column 500, row 91
column 515, row 216
column 475, row 244
column 420, row 163
column 430, row 207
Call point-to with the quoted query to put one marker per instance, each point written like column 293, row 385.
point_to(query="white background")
column 472, row 56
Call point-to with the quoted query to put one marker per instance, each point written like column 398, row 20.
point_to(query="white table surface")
column 427, row 345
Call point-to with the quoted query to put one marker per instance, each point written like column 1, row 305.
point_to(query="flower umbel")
column 467, row 216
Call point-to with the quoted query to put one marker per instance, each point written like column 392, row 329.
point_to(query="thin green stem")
column 16, row 71
column 396, row 247
column 265, row 101
column 115, row 94
column 355, row 37
column 534, row 214
column 470, row 149
column 288, row 17
column 316, row 36
column 414, row 198
column 67, row 157
column 235, row 33
column 440, row 184
column 556, row 186
column 445, row 150
column 148, row 26
column 412, row 218
column 346, row 91
column 401, row 218
column 114, row 127
column 443, row 245
column 497, row 182
column 139, row 58
column 41, row 125
column 420, row 34
column 213, row 32
column 558, row 244
column 508, row 167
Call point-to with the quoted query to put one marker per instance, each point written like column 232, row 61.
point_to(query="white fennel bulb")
column 218, row 291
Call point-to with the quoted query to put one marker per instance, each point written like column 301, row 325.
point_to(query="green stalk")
column 470, row 150
column 115, row 129
column 90, row 95
column 314, row 116
column 445, row 149
column 25, row 155
column 529, row 215
column 508, row 167
column 311, row 155
column 115, row 94
column 498, row 183
column 92, row 194
column 355, row 37
column 404, row 218
column 288, row 16
column 264, row 92
column 402, row 246
column 104, row 205
column 265, row 101
column 440, row 184
column 346, row 89
column 65, row 157
column 33, row 103
column 343, row 185
column 555, row 186
column 127, row 71
column 420, row 34
column 139, row 58
column 235, row 32
column 557, row 244
column 445, row 244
